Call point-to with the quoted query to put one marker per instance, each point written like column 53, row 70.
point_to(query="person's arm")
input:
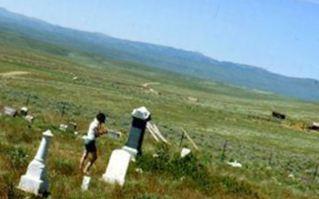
column 101, row 130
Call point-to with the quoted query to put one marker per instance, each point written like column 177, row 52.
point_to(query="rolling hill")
column 34, row 33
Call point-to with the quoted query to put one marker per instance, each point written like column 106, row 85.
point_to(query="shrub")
column 176, row 166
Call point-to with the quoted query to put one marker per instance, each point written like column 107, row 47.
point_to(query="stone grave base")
column 118, row 164
column 31, row 185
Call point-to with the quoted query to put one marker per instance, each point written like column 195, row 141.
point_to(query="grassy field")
column 279, row 158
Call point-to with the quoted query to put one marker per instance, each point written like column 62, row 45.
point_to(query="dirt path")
column 146, row 85
column 13, row 73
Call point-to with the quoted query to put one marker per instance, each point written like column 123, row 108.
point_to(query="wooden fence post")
column 315, row 173
column 180, row 144
column 28, row 100
column 223, row 154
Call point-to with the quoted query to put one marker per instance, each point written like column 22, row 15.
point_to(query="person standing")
column 96, row 129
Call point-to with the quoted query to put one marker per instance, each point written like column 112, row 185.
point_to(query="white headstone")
column 85, row 183
column 185, row 152
column 35, row 180
column 116, row 170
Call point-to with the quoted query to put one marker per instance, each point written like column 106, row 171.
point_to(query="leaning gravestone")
column 134, row 143
column 116, row 170
column 35, row 180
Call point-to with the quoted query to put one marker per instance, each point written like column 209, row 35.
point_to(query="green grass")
column 269, row 150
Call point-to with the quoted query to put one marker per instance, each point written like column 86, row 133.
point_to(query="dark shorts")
column 90, row 146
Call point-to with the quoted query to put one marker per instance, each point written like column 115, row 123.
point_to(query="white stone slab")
column 185, row 152
column 116, row 170
column 86, row 183
column 235, row 164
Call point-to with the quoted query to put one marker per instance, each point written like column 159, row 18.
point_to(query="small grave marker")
column 235, row 164
column 85, row 183
column 185, row 152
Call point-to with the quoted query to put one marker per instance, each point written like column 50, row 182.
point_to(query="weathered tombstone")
column 10, row 111
column 140, row 118
column 35, row 180
column 118, row 164
column 86, row 183
column 185, row 152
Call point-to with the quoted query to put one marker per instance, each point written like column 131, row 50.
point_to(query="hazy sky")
column 279, row 35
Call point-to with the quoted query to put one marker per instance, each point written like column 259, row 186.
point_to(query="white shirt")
column 93, row 129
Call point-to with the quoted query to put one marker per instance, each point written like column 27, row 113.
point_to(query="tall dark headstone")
column 140, row 118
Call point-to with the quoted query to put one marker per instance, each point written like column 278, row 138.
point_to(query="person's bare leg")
column 83, row 158
column 90, row 163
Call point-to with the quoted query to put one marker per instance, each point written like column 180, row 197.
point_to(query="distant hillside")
column 15, row 28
